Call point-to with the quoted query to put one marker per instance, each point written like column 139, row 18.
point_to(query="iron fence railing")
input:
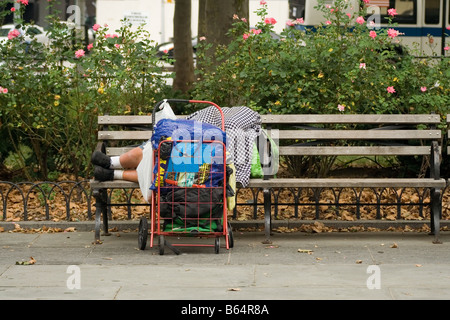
column 73, row 201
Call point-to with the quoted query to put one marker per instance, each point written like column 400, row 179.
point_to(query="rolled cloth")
column 242, row 126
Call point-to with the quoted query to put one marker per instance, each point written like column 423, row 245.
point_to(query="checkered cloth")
column 242, row 126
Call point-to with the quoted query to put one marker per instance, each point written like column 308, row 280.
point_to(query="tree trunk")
column 219, row 19
column 183, row 53
column 201, row 29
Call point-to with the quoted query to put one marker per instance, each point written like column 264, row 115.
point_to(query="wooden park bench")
column 313, row 135
column 412, row 135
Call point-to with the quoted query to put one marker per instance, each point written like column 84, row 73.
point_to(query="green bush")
column 55, row 92
column 340, row 65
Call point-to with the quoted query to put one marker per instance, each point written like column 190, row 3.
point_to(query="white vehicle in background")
column 418, row 21
column 29, row 32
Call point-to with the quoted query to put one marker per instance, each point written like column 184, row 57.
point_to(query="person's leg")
column 131, row 159
column 111, row 168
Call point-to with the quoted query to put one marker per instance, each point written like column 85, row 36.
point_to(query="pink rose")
column 390, row 89
column 13, row 34
column 90, row 46
column 372, row 34
column 392, row 33
column 79, row 53
column 392, row 12
column 270, row 21
column 360, row 20
column 423, row 89
column 96, row 26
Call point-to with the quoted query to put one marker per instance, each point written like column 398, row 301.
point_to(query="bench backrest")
column 386, row 135
column 130, row 128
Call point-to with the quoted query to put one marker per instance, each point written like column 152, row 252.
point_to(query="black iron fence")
column 73, row 201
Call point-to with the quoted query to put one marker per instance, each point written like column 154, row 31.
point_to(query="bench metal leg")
column 436, row 210
column 267, row 216
column 100, row 210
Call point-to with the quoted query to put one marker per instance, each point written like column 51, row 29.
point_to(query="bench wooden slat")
column 355, row 134
column 311, row 183
column 117, row 151
column 115, row 184
column 303, row 134
column 129, row 120
column 297, row 118
column 348, row 182
column 124, row 135
column 351, row 118
column 354, row 151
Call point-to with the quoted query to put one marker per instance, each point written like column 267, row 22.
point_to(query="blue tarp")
column 189, row 156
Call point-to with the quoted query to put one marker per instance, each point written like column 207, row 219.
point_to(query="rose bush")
column 51, row 95
column 342, row 62
column 344, row 65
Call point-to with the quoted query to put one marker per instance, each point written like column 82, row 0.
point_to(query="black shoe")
column 98, row 158
column 103, row 174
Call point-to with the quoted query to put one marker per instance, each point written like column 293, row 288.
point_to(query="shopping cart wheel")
column 162, row 243
column 230, row 236
column 217, row 245
column 143, row 233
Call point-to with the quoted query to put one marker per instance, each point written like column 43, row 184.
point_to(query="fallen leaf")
column 318, row 227
column 26, row 263
column 394, row 245
column 305, row 251
column 418, row 265
column 69, row 229
column 358, row 261
column 234, row 289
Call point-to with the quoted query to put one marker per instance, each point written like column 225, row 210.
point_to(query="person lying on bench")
column 121, row 167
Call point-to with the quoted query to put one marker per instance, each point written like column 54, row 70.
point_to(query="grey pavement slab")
column 296, row 266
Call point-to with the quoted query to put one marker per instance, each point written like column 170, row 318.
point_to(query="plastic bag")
column 165, row 112
column 271, row 168
column 144, row 172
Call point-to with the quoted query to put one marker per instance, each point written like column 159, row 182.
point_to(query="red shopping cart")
column 190, row 191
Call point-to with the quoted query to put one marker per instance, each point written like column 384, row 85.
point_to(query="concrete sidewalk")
column 296, row 266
